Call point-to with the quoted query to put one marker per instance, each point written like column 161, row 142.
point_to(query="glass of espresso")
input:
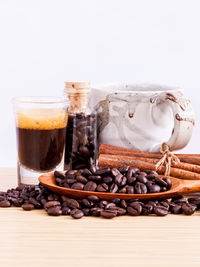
column 41, row 129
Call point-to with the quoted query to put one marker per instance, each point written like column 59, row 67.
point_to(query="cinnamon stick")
column 118, row 160
column 114, row 150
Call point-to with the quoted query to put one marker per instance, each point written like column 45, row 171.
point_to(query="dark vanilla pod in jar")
column 81, row 142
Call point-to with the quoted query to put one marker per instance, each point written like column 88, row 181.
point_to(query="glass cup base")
column 30, row 177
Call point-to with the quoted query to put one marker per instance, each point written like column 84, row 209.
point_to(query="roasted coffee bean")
column 84, row 151
column 72, row 203
column 17, row 202
column 2, row 198
column 115, row 172
column 161, row 182
column 102, row 187
column 71, row 181
column 123, row 204
column 87, row 203
column 81, row 179
column 107, row 179
column 77, row 214
column 27, row 206
column 123, row 168
column 86, row 211
column 5, row 204
column 147, row 209
column 152, row 203
column 59, row 181
column 130, row 173
column 54, row 211
column 66, row 211
column 113, row 188
column 195, row 201
column 188, row 209
column 59, row 174
column 70, row 174
column 103, row 171
column 165, row 204
column 120, row 211
column 93, row 198
column 116, row 201
column 129, row 189
column 168, row 181
column 135, row 209
column 103, row 204
column 96, row 211
column 90, row 186
column 154, row 188
column 140, row 188
column 120, row 180
column 178, row 200
column 51, row 204
column 160, row 210
column 66, row 185
column 110, row 206
column 175, row 208
column 108, row 214
column 151, row 174
column 131, row 180
column 36, row 203
column 142, row 178
column 78, row 186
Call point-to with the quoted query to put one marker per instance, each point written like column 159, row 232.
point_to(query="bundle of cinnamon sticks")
column 188, row 167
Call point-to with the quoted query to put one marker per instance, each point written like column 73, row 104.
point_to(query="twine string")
column 167, row 158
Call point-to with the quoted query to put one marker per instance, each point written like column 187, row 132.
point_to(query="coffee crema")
column 41, row 138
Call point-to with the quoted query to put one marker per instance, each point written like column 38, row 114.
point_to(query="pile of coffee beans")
column 125, row 179
column 31, row 197
column 80, row 141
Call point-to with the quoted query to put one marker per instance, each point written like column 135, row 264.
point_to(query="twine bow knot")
column 167, row 159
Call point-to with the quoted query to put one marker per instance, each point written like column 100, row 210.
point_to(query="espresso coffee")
column 41, row 141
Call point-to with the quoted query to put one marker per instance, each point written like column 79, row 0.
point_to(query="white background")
column 45, row 42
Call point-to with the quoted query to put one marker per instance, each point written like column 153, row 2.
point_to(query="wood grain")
column 35, row 239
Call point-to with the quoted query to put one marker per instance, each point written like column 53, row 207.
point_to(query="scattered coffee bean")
column 135, row 209
column 27, row 206
column 5, row 204
column 77, row 214
column 54, row 211
column 108, row 214
column 188, row 209
column 160, row 210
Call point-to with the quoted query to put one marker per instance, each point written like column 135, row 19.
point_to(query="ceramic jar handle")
column 183, row 120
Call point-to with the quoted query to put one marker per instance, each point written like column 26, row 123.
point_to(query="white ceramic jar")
column 142, row 116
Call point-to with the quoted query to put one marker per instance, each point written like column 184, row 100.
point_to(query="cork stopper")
column 77, row 93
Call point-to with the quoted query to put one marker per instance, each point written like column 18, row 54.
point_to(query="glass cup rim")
column 40, row 100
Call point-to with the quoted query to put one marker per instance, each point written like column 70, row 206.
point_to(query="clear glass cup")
column 41, row 134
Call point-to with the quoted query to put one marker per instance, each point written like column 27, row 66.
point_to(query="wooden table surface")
column 35, row 239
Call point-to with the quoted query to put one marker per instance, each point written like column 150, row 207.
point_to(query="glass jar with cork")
column 81, row 138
